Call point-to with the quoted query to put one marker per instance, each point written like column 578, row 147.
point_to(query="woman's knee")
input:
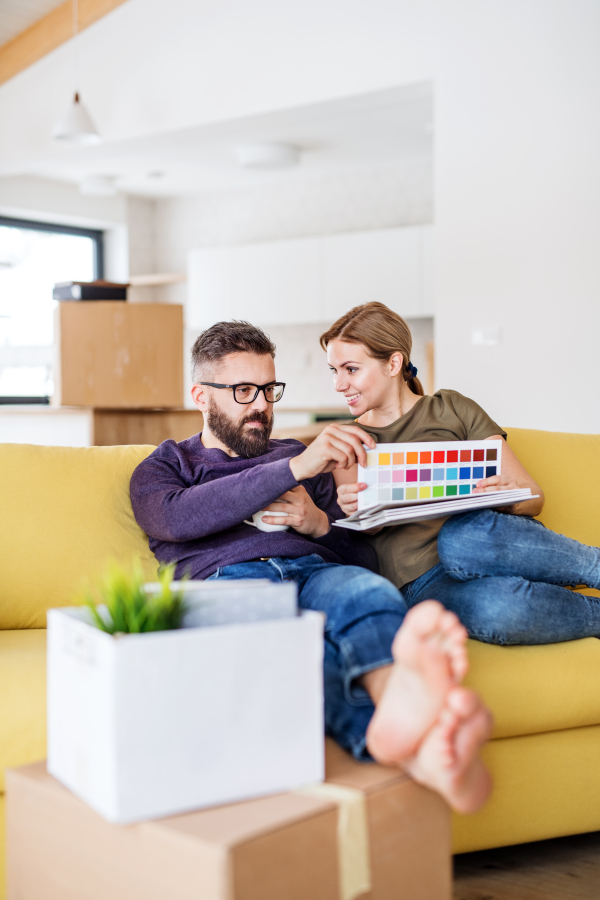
column 498, row 611
column 464, row 540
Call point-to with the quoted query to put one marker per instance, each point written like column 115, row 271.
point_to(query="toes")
column 425, row 618
column 464, row 702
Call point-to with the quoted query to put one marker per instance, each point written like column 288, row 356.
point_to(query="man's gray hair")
column 224, row 338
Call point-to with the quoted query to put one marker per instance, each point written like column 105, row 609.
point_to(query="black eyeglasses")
column 247, row 393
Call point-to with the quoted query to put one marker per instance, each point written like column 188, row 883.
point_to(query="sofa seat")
column 22, row 698
column 533, row 690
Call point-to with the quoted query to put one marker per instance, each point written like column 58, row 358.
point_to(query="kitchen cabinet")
column 312, row 279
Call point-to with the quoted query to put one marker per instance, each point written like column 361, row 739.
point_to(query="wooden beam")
column 48, row 33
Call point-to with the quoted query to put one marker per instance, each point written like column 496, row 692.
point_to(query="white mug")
column 257, row 521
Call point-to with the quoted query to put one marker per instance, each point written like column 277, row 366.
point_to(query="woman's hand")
column 513, row 476
column 347, row 496
column 301, row 513
column 497, row 483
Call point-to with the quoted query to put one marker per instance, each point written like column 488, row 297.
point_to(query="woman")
column 503, row 573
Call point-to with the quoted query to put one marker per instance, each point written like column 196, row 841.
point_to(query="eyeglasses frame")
column 259, row 388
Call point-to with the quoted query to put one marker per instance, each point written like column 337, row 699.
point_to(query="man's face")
column 244, row 428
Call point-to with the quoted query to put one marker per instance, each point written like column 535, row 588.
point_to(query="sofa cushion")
column 65, row 512
column 22, row 698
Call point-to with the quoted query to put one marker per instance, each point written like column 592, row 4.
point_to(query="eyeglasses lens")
column 246, row 393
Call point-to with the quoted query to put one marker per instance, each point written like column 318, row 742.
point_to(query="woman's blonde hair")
column 382, row 331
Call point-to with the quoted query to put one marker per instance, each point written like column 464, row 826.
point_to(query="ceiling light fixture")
column 98, row 186
column 268, row 156
column 76, row 126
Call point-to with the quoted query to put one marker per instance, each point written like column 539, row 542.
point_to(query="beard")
column 246, row 442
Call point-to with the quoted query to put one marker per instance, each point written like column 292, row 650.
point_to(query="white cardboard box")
column 149, row 725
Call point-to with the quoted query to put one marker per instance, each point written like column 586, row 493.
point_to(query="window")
column 33, row 257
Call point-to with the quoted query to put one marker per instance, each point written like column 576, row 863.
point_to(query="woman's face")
column 366, row 383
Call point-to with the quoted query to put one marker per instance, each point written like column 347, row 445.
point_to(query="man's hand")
column 301, row 513
column 337, row 447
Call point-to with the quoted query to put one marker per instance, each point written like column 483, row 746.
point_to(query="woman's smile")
column 352, row 399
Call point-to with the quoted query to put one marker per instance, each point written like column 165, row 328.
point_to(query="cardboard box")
column 147, row 725
column 285, row 847
column 117, row 355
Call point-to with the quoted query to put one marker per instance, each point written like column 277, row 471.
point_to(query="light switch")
column 488, row 336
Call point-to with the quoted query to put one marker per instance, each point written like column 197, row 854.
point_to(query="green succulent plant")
column 129, row 609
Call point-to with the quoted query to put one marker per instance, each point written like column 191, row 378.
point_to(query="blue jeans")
column 505, row 578
column 364, row 611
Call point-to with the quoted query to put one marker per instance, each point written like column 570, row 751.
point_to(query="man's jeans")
column 504, row 576
column 364, row 612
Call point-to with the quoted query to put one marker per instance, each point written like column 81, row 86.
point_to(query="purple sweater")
column 192, row 501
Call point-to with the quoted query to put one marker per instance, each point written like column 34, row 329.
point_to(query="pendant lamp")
column 76, row 126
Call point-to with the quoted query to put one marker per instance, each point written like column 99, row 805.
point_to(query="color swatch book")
column 414, row 481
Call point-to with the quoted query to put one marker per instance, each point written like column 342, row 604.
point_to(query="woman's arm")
column 513, row 476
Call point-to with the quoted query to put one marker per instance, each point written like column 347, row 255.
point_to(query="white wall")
column 517, row 190
column 517, row 143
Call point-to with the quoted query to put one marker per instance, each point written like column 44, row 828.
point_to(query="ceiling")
column 370, row 129
column 17, row 15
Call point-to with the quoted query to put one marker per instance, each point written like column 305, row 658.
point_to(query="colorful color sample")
column 421, row 472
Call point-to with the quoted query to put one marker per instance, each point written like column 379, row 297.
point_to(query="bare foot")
column 448, row 759
column 430, row 658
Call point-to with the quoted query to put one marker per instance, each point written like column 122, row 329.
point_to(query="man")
column 391, row 677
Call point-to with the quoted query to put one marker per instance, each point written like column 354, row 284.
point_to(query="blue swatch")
column 465, row 473
column 451, row 474
column 438, row 474
column 464, row 489
column 478, row 472
column 489, row 471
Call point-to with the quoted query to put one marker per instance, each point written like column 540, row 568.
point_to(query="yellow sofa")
column 66, row 511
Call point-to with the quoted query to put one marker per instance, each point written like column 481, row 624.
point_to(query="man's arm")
column 168, row 510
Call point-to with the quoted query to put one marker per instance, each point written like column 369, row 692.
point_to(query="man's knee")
column 366, row 591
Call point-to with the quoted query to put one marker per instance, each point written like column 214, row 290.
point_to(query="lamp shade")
column 268, row 156
column 76, row 126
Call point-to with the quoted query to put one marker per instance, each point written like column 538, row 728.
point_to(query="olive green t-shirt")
column 407, row 551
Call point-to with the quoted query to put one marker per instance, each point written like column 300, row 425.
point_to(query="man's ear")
column 200, row 397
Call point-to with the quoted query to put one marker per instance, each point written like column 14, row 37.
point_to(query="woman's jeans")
column 505, row 578
column 364, row 611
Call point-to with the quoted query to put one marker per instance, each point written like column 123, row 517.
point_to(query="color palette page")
column 399, row 474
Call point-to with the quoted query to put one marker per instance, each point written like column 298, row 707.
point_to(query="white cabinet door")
column 210, row 296
column 371, row 265
column 315, row 279
column 277, row 283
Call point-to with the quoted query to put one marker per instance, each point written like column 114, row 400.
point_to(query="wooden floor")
column 559, row 869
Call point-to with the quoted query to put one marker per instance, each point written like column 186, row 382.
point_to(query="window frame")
column 96, row 235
